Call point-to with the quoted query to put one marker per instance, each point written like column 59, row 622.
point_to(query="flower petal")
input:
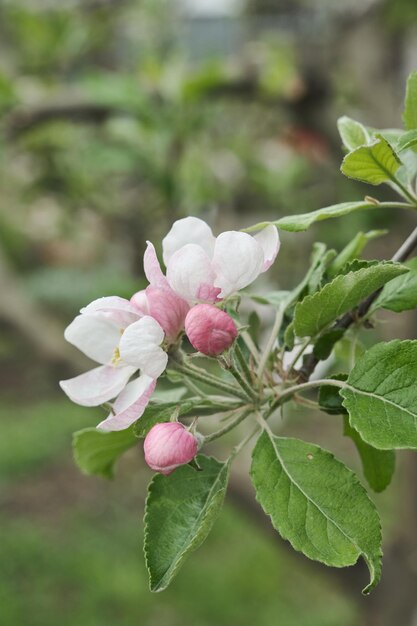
column 117, row 310
column 269, row 239
column 185, row 231
column 152, row 267
column 95, row 335
column 190, row 274
column 130, row 404
column 98, row 385
column 238, row 259
column 168, row 309
column 139, row 346
column 140, row 302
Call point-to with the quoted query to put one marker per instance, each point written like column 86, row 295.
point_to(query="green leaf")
column 325, row 344
column 374, row 164
column 410, row 109
column 381, row 395
column 353, row 250
column 407, row 141
column 316, row 503
column 400, row 294
column 330, row 400
column 158, row 413
column 297, row 223
column 341, row 295
column 378, row 465
column 96, row 452
column 352, row 133
column 180, row 512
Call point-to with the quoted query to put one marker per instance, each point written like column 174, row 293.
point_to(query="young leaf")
column 400, row 294
column 330, row 400
column 378, row 465
column 381, row 395
column 410, row 110
column 316, row 503
column 407, row 141
column 344, row 293
column 353, row 249
column 180, row 512
column 297, row 223
column 374, row 164
column 96, row 452
column 352, row 133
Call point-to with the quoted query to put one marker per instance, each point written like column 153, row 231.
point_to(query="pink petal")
column 238, row 259
column 97, row 385
column 169, row 445
column 140, row 302
column 130, row 404
column 269, row 239
column 152, row 267
column 185, row 231
column 190, row 273
column 168, row 309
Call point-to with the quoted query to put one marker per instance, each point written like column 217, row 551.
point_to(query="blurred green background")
column 116, row 118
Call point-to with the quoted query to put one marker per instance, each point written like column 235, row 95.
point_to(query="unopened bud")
column 169, row 445
column 210, row 330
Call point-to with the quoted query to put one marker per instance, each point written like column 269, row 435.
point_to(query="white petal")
column 98, row 385
column 188, row 230
column 269, row 239
column 152, row 267
column 130, row 404
column 117, row 310
column 189, row 272
column 238, row 259
column 139, row 346
column 95, row 335
column 140, row 302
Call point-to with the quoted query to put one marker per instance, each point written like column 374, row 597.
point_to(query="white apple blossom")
column 123, row 340
column 204, row 268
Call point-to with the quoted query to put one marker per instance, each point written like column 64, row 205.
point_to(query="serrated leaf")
column 378, row 465
column 352, row 133
column 180, row 512
column 96, row 452
column 316, row 503
column 298, row 223
column 400, row 294
column 374, row 164
column 342, row 294
column 410, row 105
column 381, row 395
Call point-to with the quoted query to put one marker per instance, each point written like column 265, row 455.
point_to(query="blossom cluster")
column 134, row 337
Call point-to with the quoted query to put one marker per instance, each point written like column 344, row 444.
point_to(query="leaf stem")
column 272, row 338
column 228, row 427
column 206, row 378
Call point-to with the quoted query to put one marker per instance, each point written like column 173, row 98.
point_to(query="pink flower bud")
column 169, row 445
column 210, row 330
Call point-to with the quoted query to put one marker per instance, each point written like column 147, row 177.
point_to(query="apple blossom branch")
column 402, row 254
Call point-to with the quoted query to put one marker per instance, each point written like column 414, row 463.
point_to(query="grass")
column 71, row 547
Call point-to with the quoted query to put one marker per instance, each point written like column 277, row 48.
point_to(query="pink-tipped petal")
column 238, row 259
column 98, row 385
column 95, row 335
column 185, row 231
column 139, row 346
column 130, row 404
column 168, row 309
column 190, row 273
column 117, row 310
column 268, row 238
column 210, row 330
column 169, row 445
column 152, row 267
